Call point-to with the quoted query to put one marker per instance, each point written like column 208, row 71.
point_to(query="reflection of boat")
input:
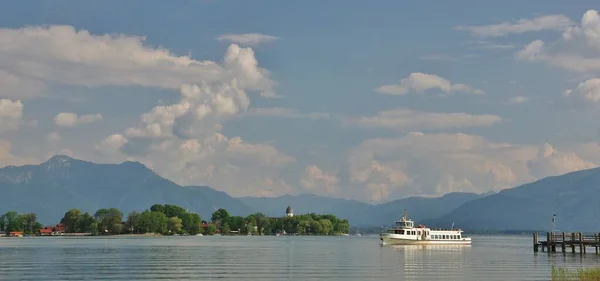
column 404, row 232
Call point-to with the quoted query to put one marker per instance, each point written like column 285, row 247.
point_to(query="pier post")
column 548, row 242
column 597, row 241
column 573, row 242
column 562, row 245
column 580, row 243
column 536, row 245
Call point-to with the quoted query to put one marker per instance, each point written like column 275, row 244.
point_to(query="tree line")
column 13, row 221
column 171, row 220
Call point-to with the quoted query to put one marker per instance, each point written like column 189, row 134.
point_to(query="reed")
column 582, row 274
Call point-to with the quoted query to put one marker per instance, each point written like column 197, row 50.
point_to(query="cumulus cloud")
column 547, row 22
column 435, row 164
column 63, row 55
column 317, row 181
column 250, row 39
column 578, row 49
column 183, row 140
column 403, row 118
column 11, row 114
column 19, row 87
column 421, row 82
column 69, row 119
column 7, row 157
column 587, row 93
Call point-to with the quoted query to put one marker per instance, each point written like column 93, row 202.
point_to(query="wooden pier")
column 564, row 240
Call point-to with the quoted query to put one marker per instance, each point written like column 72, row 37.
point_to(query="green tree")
column 157, row 208
column 191, row 223
column 132, row 221
column 315, row 227
column 11, row 222
column 226, row 229
column 174, row 211
column 28, row 222
column 211, row 229
column 326, row 226
column 304, row 227
column 219, row 217
column 237, row 223
column 261, row 222
column 85, row 223
column 70, row 220
column 342, row 226
column 108, row 220
column 174, row 225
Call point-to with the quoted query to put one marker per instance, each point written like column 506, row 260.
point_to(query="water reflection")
column 276, row 258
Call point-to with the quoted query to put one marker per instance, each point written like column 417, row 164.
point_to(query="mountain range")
column 61, row 183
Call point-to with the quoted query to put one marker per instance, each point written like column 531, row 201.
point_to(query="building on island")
column 289, row 212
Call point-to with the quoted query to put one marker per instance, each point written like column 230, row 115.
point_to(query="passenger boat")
column 404, row 232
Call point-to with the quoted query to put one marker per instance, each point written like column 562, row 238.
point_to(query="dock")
column 574, row 241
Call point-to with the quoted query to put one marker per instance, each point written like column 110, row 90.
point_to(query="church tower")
column 289, row 212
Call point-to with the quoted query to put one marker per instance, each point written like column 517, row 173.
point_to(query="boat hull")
column 387, row 239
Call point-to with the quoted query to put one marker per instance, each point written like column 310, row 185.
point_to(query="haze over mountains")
column 62, row 183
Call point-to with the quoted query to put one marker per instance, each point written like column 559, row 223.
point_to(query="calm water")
column 275, row 258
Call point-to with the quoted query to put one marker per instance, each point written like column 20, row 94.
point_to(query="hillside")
column 61, row 183
column 362, row 214
column 573, row 197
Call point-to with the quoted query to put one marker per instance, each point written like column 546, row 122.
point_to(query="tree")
column 315, row 227
column 219, row 216
column 191, row 223
column 28, row 222
column 226, row 229
column 85, row 224
column 70, row 220
column 174, row 225
column 325, row 226
column 11, row 222
column 157, row 208
column 132, row 221
column 260, row 222
column 108, row 220
column 174, row 211
column 304, row 227
column 211, row 229
column 342, row 226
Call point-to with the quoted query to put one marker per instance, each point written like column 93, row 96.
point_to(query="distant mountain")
column 62, row 183
column 306, row 203
column 359, row 213
column 573, row 197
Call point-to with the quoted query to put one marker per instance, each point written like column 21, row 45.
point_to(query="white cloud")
column 435, row 164
column 320, row 182
column 518, row 99
column 421, row 82
column 586, row 93
column 11, row 114
column 69, row 119
column 403, row 118
column 7, row 158
column 19, row 87
column 548, row 22
column 251, row 39
column 182, row 141
column 60, row 54
column 578, row 50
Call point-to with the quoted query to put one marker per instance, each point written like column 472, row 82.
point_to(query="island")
column 171, row 220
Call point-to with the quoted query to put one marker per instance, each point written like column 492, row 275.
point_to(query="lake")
column 275, row 258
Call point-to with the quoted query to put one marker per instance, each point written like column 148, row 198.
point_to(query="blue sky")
column 292, row 102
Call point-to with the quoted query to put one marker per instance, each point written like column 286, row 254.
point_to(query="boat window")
column 419, row 232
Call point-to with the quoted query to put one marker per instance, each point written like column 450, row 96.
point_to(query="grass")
column 583, row 274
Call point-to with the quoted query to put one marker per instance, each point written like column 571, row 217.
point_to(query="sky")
column 372, row 101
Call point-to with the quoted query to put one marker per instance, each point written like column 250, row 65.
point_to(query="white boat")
column 404, row 232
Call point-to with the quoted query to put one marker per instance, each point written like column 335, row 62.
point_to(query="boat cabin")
column 405, row 229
